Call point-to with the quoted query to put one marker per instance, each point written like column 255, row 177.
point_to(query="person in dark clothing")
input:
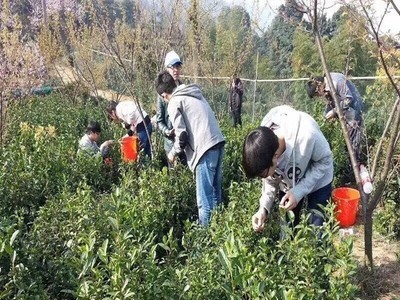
column 235, row 100
column 351, row 104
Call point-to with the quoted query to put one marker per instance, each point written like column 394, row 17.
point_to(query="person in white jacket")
column 135, row 119
column 291, row 155
column 198, row 134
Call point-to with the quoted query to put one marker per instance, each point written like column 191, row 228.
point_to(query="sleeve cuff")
column 298, row 195
column 267, row 204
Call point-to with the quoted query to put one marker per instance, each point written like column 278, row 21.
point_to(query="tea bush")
column 40, row 156
column 74, row 228
column 71, row 230
column 231, row 261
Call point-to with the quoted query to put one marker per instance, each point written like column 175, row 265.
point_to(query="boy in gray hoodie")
column 291, row 155
column 198, row 134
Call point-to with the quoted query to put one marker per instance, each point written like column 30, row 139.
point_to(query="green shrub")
column 93, row 232
column 39, row 159
column 229, row 260
column 387, row 219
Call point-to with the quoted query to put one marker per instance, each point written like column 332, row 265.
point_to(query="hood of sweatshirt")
column 191, row 90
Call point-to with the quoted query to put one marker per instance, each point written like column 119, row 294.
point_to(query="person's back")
column 197, row 134
column 135, row 119
column 128, row 111
column 351, row 104
column 358, row 102
column 201, row 124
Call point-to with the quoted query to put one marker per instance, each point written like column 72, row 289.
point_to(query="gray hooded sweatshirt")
column 307, row 153
column 189, row 112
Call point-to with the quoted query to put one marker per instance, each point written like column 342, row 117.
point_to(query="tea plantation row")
column 73, row 228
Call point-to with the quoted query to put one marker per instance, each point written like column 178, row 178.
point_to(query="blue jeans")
column 316, row 198
column 209, row 183
column 144, row 141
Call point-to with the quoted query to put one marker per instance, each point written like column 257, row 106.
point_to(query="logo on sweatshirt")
column 297, row 172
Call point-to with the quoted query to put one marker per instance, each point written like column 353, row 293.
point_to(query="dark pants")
column 315, row 199
column 237, row 118
column 235, row 104
column 144, row 140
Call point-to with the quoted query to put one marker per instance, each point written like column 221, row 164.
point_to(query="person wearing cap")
column 134, row 119
column 88, row 143
column 198, row 134
column 173, row 65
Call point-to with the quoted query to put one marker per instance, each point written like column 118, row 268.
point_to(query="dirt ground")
column 384, row 282
column 68, row 75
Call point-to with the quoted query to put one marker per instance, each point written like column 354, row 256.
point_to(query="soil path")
column 68, row 75
column 384, row 283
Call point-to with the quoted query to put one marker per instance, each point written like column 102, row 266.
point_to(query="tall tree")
column 279, row 38
column 350, row 47
column 278, row 41
column 234, row 40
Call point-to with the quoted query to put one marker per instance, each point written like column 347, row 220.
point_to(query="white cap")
column 171, row 58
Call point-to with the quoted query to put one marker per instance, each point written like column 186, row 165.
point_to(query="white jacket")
column 128, row 111
column 307, row 152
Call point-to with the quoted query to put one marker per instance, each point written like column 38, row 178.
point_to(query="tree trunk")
column 44, row 7
column 368, row 238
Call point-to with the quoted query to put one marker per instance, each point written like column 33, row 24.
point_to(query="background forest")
column 77, row 229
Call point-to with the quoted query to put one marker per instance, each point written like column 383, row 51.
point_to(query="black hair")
column 94, row 127
column 312, row 85
column 165, row 83
column 259, row 148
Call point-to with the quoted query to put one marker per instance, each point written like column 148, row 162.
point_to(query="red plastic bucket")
column 129, row 148
column 346, row 200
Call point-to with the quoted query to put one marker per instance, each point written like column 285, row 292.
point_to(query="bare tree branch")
column 395, row 7
column 389, row 154
column 384, row 133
